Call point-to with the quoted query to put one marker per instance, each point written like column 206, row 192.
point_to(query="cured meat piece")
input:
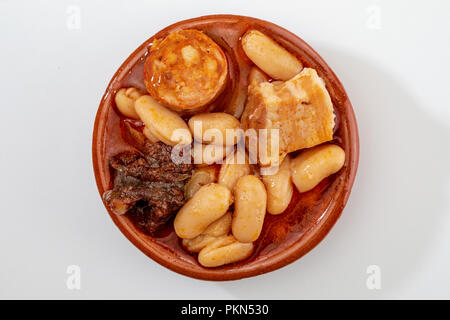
column 147, row 184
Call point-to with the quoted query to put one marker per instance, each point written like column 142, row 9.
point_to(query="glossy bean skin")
column 213, row 124
column 279, row 188
column 224, row 250
column 269, row 56
column 250, row 208
column 256, row 75
column 230, row 172
column 125, row 99
column 164, row 124
column 150, row 135
column 200, row 177
column 218, row 228
column 207, row 205
column 155, row 136
column 207, row 154
column 198, row 243
column 315, row 164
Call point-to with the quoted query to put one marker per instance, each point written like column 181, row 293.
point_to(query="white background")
column 51, row 81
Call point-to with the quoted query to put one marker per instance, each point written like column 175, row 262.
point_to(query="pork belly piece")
column 300, row 108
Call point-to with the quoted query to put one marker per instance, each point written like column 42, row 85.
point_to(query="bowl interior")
column 285, row 237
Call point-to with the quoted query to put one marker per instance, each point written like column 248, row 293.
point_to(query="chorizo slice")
column 186, row 70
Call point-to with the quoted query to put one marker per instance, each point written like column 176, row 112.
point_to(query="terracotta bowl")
column 310, row 215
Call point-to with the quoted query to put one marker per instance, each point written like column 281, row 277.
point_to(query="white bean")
column 199, row 178
column 215, row 127
column 256, row 75
column 279, row 188
column 249, row 208
column 219, row 227
column 224, row 250
column 230, row 172
column 216, row 229
column 162, row 122
column 207, row 205
column 150, row 135
column 210, row 153
column 125, row 99
column 198, row 243
column 269, row 56
column 315, row 164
